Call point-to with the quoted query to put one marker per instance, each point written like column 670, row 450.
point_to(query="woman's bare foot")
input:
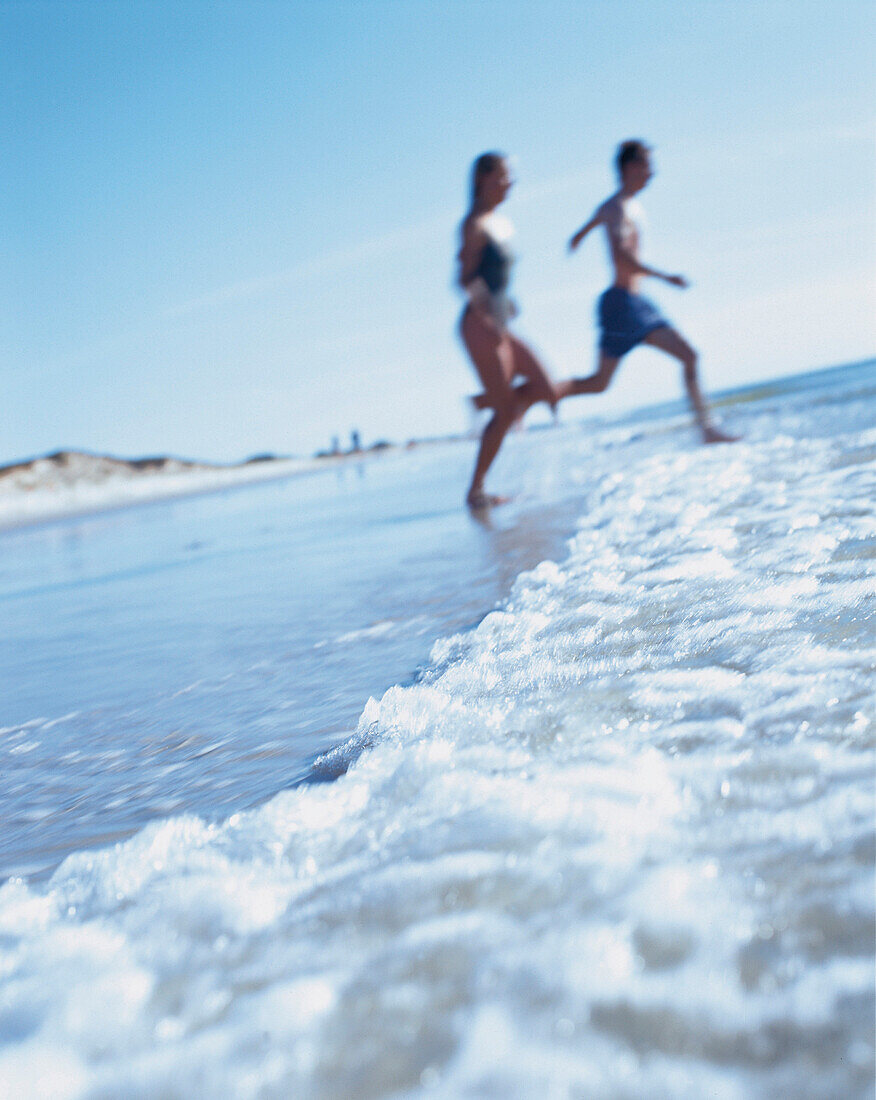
column 711, row 434
column 477, row 500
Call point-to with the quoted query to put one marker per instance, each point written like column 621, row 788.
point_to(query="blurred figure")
column 485, row 260
column 626, row 318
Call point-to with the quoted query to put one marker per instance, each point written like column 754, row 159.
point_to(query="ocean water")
column 322, row 789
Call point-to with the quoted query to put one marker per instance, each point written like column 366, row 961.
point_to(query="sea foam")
column 616, row 841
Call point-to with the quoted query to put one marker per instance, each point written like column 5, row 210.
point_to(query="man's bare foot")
column 711, row 434
column 478, row 500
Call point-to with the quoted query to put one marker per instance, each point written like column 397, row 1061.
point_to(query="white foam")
column 616, row 841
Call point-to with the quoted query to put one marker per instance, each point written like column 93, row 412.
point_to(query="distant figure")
column 355, row 442
column 627, row 319
column 485, row 260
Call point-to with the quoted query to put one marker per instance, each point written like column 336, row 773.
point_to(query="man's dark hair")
column 629, row 151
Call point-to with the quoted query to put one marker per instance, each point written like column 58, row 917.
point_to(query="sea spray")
column 615, row 840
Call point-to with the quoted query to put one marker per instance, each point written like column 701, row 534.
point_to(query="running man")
column 627, row 319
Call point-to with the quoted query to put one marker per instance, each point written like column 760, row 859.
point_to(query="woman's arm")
column 469, row 258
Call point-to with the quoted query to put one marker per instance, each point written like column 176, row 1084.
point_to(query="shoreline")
column 105, row 483
column 131, row 482
column 72, row 484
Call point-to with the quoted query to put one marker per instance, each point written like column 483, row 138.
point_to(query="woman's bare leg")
column 527, row 393
column 538, row 386
column 525, row 363
column 493, row 358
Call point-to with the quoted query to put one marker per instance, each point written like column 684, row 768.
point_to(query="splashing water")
column 616, row 841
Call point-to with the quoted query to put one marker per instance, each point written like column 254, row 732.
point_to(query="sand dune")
column 75, row 482
column 67, row 468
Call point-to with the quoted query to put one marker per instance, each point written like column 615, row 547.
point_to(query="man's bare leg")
column 599, row 381
column 668, row 340
column 527, row 394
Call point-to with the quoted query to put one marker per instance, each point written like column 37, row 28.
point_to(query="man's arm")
column 585, row 229
column 621, row 253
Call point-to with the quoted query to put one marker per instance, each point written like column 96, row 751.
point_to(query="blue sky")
column 230, row 227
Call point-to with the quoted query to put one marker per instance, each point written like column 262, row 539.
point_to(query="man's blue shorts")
column 625, row 320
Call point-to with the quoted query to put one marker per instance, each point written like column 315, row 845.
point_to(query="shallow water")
column 199, row 654
column 615, row 840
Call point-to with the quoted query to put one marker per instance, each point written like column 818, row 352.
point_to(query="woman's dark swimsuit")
column 494, row 268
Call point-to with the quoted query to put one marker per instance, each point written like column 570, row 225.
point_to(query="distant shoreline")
column 66, row 484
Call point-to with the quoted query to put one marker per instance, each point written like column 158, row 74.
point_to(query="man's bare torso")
column 623, row 219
